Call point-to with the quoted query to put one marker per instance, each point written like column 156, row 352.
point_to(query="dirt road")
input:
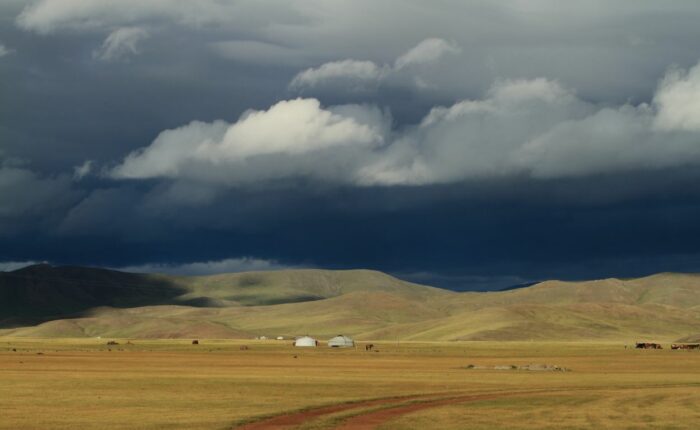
column 294, row 419
column 374, row 419
column 389, row 408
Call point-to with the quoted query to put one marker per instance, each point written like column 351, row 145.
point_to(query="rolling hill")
column 46, row 301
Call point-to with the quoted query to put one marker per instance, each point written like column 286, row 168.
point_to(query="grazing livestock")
column 369, row 347
column 244, row 348
column 112, row 342
column 195, row 342
column 648, row 345
column 687, row 346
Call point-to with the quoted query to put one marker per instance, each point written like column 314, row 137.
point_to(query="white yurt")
column 305, row 341
column 341, row 341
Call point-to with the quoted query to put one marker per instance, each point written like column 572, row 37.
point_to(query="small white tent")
column 341, row 341
column 305, row 341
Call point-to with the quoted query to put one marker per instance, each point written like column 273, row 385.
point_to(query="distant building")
column 305, row 341
column 341, row 341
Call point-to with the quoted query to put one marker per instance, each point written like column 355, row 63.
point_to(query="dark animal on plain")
column 195, row 342
column 686, row 346
column 244, row 348
column 369, row 347
column 112, row 342
column 648, row 345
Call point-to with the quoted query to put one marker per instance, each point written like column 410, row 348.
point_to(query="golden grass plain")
column 171, row 384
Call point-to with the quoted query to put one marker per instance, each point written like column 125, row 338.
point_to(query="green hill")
column 71, row 301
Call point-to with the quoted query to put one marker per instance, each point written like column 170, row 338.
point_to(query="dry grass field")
column 152, row 384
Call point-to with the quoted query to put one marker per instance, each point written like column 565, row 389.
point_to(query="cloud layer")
column 363, row 75
column 295, row 137
column 460, row 137
column 536, row 128
column 229, row 265
column 48, row 16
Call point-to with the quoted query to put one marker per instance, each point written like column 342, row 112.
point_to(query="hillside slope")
column 42, row 292
column 366, row 304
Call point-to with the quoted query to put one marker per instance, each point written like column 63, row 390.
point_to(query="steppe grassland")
column 79, row 383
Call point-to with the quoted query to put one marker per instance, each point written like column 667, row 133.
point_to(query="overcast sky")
column 469, row 145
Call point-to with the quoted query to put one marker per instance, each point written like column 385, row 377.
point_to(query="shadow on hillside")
column 41, row 293
column 246, row 300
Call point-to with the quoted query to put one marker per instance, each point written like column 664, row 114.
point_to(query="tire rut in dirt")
column 295, row 419
column 373, row 419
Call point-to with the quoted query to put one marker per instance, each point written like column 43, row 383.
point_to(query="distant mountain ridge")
column 69, row 301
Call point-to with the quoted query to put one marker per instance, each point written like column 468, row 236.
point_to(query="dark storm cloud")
column 498, row 230
column 29, row 199
column 556, row 150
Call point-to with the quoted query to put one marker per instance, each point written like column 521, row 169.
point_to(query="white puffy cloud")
column 678, row 100
column 121, row 43
column 474, row 138
column 427, row 51
column 287, row 139
column 362, row 75
column 229, row 265
column 532, row 128
column 357, row 73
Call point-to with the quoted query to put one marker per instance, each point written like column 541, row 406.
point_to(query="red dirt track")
column 371, row 419
column 289, row 421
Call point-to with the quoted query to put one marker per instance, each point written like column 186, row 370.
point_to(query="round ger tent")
column 305, row 341
column 341, row 341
